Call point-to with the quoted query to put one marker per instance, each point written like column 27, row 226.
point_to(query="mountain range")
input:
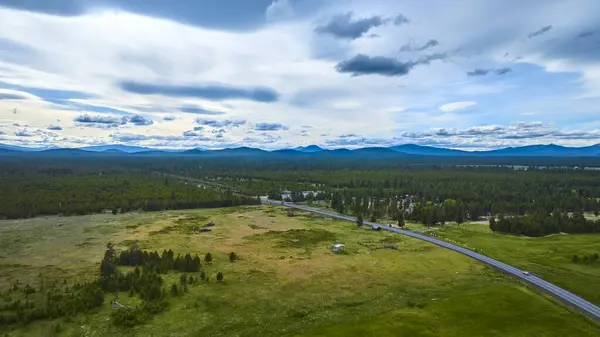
column 550, row 150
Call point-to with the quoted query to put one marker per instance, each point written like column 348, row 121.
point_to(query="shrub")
column 232, row 257
column 127, row 317
column 219, row 276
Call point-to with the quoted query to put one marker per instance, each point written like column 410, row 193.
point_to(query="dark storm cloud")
column 54, row 127
column 199, row 110
column 411, row 47
column 169, row 118
column 540, row 31
column 400, row 19
column 344, row 26
column 586, row 34
column 220, row 123
column 24, row 133
column 269, row 127
column 210, row 92
column 106, row 122
column 7, row 96
column 89, row 119
column 502, row 71
column 380, row 65
column 483, row 72
column 479, row 72
column 140, row 120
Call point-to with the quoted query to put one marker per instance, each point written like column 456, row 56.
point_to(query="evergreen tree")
column 208, row 258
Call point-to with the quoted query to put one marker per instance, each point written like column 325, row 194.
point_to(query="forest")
column 432, row 192
column 73, row 192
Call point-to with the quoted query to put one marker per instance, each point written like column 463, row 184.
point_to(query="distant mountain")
column 308, row 149
column 236, row 151
column 116, row 147
column 551, row 150
column 24, row 149
column 428, row 150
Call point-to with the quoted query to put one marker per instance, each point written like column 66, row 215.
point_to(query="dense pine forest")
column 429, row 190
column 74, row 188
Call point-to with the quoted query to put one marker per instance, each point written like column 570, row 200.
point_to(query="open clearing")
column 287, row 282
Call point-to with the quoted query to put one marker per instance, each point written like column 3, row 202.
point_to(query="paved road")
column 566, row 297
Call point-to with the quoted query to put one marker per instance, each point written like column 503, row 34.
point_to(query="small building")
column 338, row 247
column 117, row 305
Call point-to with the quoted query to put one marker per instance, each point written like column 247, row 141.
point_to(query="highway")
column 589, row 309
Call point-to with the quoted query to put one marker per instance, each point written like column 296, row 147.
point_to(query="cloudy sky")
column 465, row 74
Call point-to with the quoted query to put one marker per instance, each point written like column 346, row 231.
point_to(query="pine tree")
column 219, row 276
column 208, row 258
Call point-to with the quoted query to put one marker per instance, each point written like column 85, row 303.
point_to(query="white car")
column 526, row 273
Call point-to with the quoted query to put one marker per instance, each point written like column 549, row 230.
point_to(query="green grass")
column 549, row 257
column 287, row 282
column 461, row 315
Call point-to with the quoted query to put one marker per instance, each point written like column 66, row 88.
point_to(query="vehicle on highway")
column 526, row 273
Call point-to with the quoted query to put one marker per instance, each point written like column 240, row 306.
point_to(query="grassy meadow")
column 550, row 257
column 287, row 282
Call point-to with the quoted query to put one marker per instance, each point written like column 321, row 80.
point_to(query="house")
column 338, row 247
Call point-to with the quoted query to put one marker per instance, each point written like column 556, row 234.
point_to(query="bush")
column 127, row 317
column 575, row 259
column 219, row 276
column 232, row 257
column 203, row 275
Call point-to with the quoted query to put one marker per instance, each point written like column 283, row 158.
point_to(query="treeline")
column 540, row 224
column 54, row 193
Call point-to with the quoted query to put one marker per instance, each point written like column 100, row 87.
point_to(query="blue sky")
column 272, row 74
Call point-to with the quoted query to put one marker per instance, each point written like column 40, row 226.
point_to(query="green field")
column 287, row 282
column 549, row 257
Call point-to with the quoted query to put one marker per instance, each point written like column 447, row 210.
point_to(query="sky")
column 465, row 74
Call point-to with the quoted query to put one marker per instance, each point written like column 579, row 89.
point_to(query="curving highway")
column 589, row 309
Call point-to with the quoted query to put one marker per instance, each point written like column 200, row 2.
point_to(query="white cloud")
column 455, row 106
column 93, row 52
